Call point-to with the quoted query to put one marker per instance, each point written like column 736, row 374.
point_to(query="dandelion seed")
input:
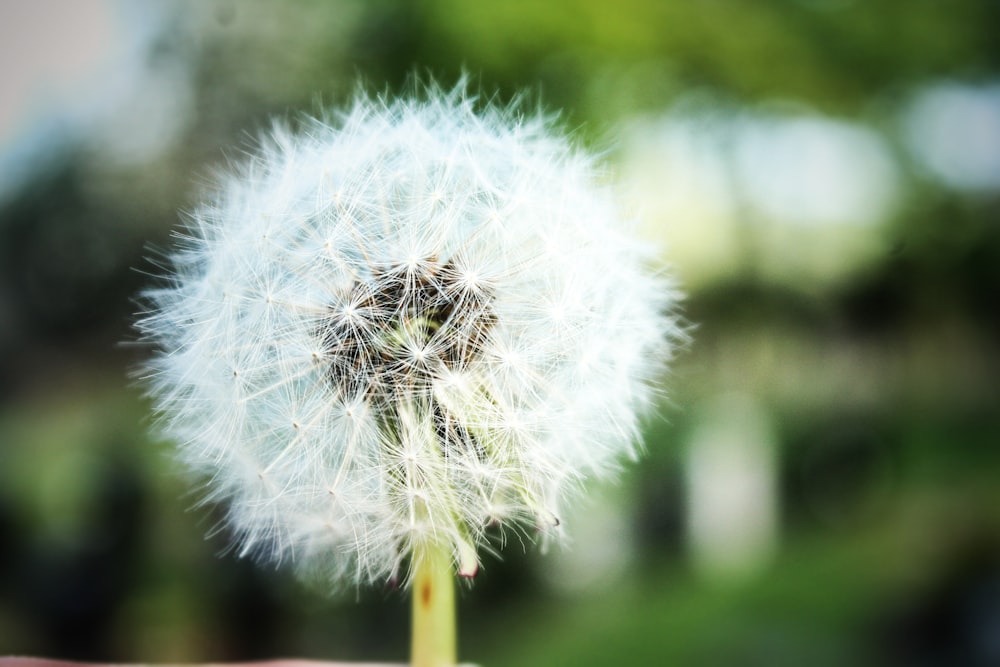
column 435, row 323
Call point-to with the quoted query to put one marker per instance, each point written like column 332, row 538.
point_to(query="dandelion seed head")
column 416, row 320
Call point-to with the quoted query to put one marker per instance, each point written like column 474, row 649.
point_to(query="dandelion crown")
column 416, row 322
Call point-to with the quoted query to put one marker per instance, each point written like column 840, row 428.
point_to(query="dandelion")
column 402, row 332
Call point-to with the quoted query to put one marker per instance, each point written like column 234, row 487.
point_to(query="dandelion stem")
column 433, row 642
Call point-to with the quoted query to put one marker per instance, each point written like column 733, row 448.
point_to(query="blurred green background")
column 822, row 484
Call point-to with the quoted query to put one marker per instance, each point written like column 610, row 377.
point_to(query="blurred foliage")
column 881, row 385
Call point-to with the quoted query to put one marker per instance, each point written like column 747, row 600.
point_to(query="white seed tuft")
column 416, row 322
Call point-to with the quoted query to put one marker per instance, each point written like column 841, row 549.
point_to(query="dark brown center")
column 395, row 331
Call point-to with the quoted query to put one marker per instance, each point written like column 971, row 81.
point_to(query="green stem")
column 433, row 642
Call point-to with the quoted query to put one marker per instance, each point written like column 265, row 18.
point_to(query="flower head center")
column 404, row 326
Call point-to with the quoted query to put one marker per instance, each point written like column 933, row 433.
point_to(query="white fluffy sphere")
column 413, row 321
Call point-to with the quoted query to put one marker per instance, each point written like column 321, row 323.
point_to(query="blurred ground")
column 823, row 484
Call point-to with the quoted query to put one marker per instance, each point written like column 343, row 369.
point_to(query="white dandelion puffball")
column 415, row 321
